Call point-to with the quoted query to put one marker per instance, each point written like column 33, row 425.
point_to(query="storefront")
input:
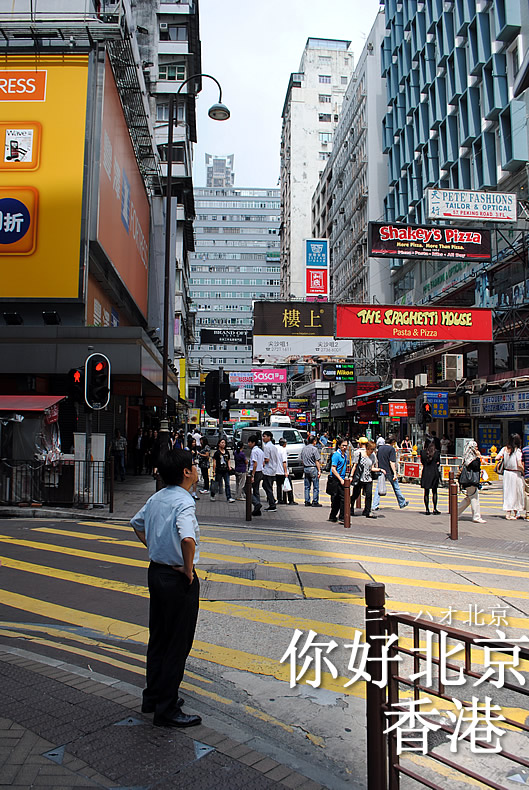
column 495, row 416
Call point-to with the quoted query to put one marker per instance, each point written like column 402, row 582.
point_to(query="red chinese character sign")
column 413, row 323
column 317, row 282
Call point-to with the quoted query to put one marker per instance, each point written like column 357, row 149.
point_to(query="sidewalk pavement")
column 497, row 536
column 64, row 727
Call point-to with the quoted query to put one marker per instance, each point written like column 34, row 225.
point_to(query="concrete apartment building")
column 352, row 188
column 170, row 51
column 310, row 115
column 236, row 260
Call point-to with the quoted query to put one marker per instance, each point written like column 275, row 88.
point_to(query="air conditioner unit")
column 164, row 26
column 479, row 385
column 452, row 367
column 421, row 380
column 401, row 384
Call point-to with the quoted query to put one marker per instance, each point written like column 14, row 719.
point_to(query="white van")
column 280, row 419
column 292, row 436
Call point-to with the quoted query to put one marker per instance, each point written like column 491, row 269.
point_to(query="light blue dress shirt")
column 167, row 518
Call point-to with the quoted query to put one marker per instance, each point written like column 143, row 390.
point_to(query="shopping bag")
column 287, row 486
column 381, row 485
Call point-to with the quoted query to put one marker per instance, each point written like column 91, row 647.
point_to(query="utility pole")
column 221, row 379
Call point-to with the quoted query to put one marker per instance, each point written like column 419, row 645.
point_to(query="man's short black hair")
column 268, row 433
column 253, row 438
column 312, row 439
column 172, row 464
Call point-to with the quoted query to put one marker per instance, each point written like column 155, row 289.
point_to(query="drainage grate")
column 344, row 588
column 239, row 573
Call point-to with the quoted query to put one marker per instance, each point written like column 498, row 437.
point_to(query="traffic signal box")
column 426, row 413
column 97, row 381
column 215, row 393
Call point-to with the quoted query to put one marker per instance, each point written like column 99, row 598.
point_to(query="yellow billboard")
column 42, row 139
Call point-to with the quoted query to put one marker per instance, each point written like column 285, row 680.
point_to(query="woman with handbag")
column 363, row 472
column 430, row 459
column 241, row 466
column 222, row 469
column 510, row 459
column 469, row 481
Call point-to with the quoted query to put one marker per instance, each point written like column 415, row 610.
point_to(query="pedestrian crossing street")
column 75, row 591
column 491, row 497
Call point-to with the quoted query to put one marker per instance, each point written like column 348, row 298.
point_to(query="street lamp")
column 218, row 112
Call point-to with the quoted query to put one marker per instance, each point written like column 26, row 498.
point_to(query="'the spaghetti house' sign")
column 428, row 241
column 413, row 323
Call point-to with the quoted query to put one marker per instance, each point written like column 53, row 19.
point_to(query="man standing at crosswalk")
column 167, row 525
column 270, row 469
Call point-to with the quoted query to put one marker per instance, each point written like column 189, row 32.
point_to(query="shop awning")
column 368, row 395
column 28, row 402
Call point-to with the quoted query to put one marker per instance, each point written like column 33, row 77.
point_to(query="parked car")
column 293, row 438
column 212, row 436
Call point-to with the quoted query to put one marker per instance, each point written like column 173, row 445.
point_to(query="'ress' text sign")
column 413, row 323
column 443, row 242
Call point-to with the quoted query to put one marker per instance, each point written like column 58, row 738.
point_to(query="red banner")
column 398, row 409
column 413, row 323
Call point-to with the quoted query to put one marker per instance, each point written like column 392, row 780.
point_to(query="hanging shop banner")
column 500, row 404
column 428, row 241
column 293, row 319
column 398, row 409
column 243, row 380
column 278, row 350
column 345, row 372
column 316, row 269
column 439, row 403
column 415, row 323
column 269, row 376
column 465, row 204
column 226, row 337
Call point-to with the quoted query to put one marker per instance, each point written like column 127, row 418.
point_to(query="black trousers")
column 268, row 485
column 337, row 501
column 173, row 613
column 367, row 488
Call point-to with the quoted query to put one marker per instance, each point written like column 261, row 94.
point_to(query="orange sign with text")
column 22, row 85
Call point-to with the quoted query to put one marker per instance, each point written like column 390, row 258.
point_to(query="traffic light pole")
column 88, row 455
column 221, row 379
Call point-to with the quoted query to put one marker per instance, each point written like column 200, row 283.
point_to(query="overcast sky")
column 252, row 48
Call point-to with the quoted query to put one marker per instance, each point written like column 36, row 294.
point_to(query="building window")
column 324, row 117
column 173, row 33
column 344, row 80
column 172, row 73
column 325, row 98
column 323, row 60
column 325, row 78
column 178, row 153
column 324, row 154
column 162, row 112
column 325, row 137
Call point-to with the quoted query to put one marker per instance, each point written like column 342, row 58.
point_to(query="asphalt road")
column 76, row 591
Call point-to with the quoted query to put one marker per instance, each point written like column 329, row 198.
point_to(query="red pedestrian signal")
column 76, row 384
column 100, row 366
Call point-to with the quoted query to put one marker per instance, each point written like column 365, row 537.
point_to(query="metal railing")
column 66, row 483
column 384, row 766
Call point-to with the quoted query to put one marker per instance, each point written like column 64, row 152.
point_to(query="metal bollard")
column 375, row 696
column 111, row 485
column 248, row 494
column 347, row 503
column 452, row 506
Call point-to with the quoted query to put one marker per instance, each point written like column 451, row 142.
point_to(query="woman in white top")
column 513, row 482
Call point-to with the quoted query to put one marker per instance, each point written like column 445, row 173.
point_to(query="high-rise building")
column 88, row 268
column 352, row 188
column 236, row 261
column 170, row 55
column 453, row 123
column 310, row 114
column 219, row 170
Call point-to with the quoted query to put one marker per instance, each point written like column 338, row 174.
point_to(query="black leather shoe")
column 256, row 512
column 333, row 519
column 148, row 707
column 178, row 719
column 317, row 504
column 437, row 512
